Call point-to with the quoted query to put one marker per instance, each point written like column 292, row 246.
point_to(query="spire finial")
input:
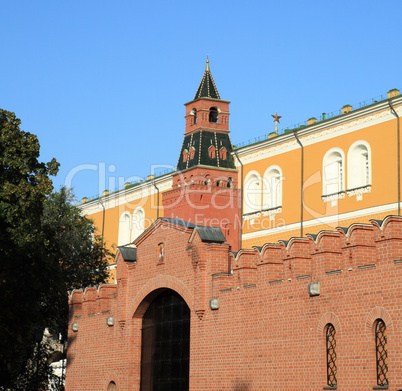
column 207, row 66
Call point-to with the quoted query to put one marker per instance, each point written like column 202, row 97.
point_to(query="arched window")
column 124, row 229
column 272, row 188
column 359, row 165
column 165, row 347
column 230, row 182
column 333, row 172
column 194, row 114
column 161, row 252
column 138, row 222
column 252, row 193
column 381, row 352
column 331, row 355
column 213, row 114
column 112, row 386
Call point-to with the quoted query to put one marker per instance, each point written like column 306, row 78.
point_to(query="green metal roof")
column 207, row 87
column 200, row 141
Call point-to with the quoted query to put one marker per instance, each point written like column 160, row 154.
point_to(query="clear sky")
column 103, row 83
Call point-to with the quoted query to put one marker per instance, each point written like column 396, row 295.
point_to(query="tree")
column 24, row 185
column 46, row 248
column 74, row 250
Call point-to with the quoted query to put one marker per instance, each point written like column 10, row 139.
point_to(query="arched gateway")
column 165, row 344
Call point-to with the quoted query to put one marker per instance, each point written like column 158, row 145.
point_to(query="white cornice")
column 332, row 221
column 346, row 123
column 124, row 196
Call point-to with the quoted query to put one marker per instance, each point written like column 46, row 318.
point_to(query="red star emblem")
column 276, row 117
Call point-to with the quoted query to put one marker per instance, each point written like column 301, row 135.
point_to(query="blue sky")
column 103, row 83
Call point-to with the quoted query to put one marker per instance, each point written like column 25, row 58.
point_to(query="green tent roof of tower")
column 207, row 87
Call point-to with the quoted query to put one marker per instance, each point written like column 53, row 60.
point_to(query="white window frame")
column 124, row 236
column 333, row 172
column 359, row 165
column 252, row 192
column 137, row 223
column 272, row 187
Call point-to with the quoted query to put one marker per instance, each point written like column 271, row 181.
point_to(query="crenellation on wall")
column 298, row 261
column 219, row 258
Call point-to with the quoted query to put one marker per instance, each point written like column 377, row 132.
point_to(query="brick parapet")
column 330, row 252
column 265, row 317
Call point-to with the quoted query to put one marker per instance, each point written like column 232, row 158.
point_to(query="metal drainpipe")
column 398, row 142
column 301, row 182
column 157, row 199
column 103, row 225
column 241, row 198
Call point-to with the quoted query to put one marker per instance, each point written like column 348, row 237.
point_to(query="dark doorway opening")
column 166, row 344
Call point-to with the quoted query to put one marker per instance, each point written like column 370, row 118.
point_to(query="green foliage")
column 46, row 248
column 77, row 256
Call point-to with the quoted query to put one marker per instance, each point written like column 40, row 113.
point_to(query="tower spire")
column 207, row 87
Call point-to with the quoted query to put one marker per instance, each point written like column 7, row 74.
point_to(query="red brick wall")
column 268, row 333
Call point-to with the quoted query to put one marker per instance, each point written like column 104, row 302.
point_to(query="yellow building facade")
column 326, row 175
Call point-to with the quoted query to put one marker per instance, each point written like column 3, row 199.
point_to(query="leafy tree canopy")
column 46, row 248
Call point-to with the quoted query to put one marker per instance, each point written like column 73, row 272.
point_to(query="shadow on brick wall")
column 242, row 385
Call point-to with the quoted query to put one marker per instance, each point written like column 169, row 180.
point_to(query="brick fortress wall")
column 268, row 332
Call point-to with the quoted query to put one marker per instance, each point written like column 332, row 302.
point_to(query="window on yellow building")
column 359, row 165
column 272, row 188
column 252, row 193
column 333, row 172
column 124, row 229
column 138, row 223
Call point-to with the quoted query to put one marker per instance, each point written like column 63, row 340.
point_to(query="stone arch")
column 108, row 384
column 377, row 313
column 328, row 317
column 153, row 287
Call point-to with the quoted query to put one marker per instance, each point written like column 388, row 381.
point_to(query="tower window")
column 194, row 114
column 185, row 155
column 212, row 152
column 223, row 153
column 213, row 114
column 192, row 152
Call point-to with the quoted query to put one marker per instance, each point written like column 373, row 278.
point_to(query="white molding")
column 318, row 133
column 125, row 196
column 323, row 220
